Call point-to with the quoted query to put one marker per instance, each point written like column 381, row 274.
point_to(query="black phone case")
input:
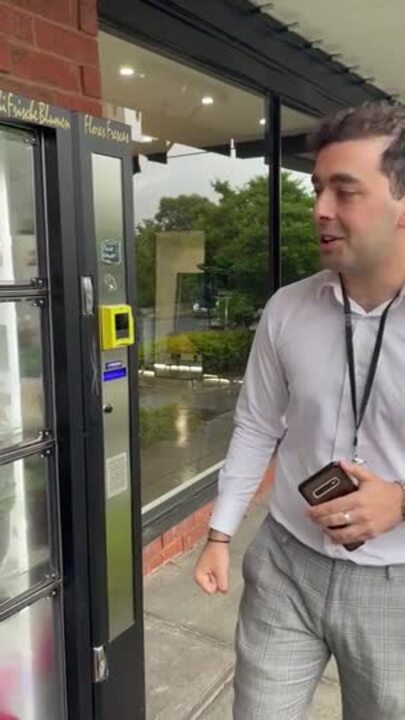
column 327, row 484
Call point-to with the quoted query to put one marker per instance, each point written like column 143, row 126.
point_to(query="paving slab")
column 182, row 670
column 171, row 593
column 326, row 704
column 189, row 642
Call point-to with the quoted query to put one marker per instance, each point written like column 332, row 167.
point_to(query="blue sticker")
column 114, row 374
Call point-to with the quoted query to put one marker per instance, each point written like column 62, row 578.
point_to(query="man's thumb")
column 359, row 472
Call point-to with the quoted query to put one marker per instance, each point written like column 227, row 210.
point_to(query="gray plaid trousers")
column 298, row 608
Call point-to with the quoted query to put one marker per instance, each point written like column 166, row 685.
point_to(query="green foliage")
column 236, row 310
column 30, row 362
column 221, row 352
column 299, row 248
column 159, row 423
column 236, row 264
column 236, row 233
column 156, row 424
column 185, row 212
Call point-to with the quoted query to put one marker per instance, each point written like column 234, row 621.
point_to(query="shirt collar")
column 330, row 279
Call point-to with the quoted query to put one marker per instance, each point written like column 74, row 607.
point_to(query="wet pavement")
column 189, row 642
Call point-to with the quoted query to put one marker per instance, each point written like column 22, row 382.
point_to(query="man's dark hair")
column 372, row 119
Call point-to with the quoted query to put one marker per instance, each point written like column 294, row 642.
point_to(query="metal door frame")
column 126, row 654
column 64, row 154
column 53, row 185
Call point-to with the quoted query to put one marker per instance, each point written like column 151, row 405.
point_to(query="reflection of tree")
column 236, row 232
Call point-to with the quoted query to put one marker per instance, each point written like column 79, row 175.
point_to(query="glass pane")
column 18, row 245
column 21, row 382
column 25, row 556
column 299, row 246
column 29, row 665
column 201, row 236
column 108, row 207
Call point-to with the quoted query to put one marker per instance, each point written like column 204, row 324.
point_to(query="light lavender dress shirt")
column 296, row 398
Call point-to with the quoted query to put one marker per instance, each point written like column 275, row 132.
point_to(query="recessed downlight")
column 207, row 100
column 127, row 71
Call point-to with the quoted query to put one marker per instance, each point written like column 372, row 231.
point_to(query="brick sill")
column 188, row 533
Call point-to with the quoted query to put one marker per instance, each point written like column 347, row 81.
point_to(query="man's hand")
column 212, row 567
column 371, row 511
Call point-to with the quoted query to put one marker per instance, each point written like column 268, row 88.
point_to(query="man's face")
column 357, row 218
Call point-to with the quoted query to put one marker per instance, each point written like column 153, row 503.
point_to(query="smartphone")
column 329, row 483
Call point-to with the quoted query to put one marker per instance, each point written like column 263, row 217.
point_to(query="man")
column 326, row 381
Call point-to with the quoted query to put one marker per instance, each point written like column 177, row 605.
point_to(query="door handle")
column 87, row 292
column 100, row 664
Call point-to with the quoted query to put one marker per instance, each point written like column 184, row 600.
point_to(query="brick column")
column 48, row 51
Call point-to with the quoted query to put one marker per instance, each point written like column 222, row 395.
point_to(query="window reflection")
column 202, row 282
column 29, row 686
column 18, row 251
column 201, row 236
column 21, row 382
column 24, row 526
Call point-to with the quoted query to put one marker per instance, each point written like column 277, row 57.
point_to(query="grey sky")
column 187, row 172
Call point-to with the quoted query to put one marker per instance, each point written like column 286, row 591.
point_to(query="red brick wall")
column 48, row 51
column 188, row 533
column 177, row 540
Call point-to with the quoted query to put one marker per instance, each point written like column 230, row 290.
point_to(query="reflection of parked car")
column 199, row 310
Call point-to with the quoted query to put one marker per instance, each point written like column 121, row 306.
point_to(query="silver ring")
column 347, row 517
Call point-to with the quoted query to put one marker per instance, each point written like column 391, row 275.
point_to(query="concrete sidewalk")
column 189, row 642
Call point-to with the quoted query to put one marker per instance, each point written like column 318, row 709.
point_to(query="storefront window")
column 203, row 281
column 202, row 239
column 299, row 246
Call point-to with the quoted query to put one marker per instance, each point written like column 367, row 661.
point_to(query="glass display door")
column 31, row 588
column 71, row 616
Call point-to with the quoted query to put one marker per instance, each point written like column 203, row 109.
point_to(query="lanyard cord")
column 358, row 416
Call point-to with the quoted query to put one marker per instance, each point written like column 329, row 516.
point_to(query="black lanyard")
column 358, row 416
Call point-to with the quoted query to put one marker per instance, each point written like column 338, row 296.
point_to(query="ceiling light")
column 147, row 139
column 263, row 121
column 127, row 71
column 207, row 100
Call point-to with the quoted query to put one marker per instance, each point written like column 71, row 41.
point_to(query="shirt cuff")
column 228, row 513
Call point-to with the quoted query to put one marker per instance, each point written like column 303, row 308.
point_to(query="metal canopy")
column 366, row 35
column 237, row 40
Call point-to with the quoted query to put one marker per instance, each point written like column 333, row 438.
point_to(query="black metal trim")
column 44, row 235
column 31, row 596
column 224, row 38
column 135, row 635
column 129, row 233
column 65, row 313
column 20, row 292
column 274, row 142
column 178, row 507
column 25, row 450
column 291, row 145
column 91, row 388
column 126, row 651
